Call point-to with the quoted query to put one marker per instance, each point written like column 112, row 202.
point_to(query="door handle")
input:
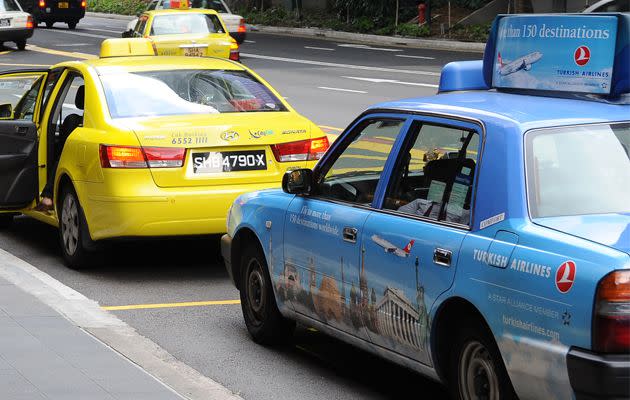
column 350, row 234
column 21, row 130
column 442, row 257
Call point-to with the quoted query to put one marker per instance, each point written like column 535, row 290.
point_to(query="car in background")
column 51, row 11
column 235, row 24
column 166, row 145
column 480, row 236
column 609, row 6
column 15, row 24
column 192, row 33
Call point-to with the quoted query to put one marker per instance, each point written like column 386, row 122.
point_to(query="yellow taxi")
column 135, row 145
column 186, row 32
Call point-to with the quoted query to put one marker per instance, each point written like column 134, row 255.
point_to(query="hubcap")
column 478, row 379
column 70, row 225
column 256, row 291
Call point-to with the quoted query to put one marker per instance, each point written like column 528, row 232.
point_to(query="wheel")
column 74, row 236
column 72, row 25
column 49, row 24
column 263, row 319
column 6, row 221
column 21, row 44
column 477, row 369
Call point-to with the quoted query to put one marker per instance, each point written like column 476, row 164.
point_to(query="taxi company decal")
column 565, row 276
column 229, row 135
column 294, row 131
column 257, row 134
column 492, row 220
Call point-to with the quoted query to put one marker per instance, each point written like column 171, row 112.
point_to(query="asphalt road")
column 329, row 82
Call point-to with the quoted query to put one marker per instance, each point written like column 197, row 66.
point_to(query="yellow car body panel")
column 140, row 202
column 189, row 44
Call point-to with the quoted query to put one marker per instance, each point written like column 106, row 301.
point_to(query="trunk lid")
column 208, row 139
column 194, row 45
column 611, row 230
column 231, row 21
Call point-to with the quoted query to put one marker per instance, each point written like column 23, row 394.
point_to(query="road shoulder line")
column 109, row 329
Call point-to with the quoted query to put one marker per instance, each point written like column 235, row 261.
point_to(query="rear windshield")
column 181, row 92
column 579, row 170
column 184, row 24
column 9, row 5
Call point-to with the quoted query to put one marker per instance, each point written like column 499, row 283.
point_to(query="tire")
column 72, row 25
column 21, row 44
column 74, row 236
column 49, row 24
column 264, row 322
column 6, row 221
column 477, row 371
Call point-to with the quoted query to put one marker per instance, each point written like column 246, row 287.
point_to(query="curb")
column 113, row 332
column 431, row 44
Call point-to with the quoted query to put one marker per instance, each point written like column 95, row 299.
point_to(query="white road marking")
column 337, row 65
column 366, row 47
column 250, row 41
column 379, row 80
column 318, row 48
column 72, row 44
column 341, row 90
column 101, row 30
column 80, row 34
column 419, row 57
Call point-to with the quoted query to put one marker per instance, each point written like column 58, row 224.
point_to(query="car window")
column 215, row 5
column 354, row 175
column 25, row 108
column 578, row 170
column 140, row 25
column 183, row 24
column 182, row 92
column 69, row 105
column 9, row 5
column 21, row 93
column 434, row 176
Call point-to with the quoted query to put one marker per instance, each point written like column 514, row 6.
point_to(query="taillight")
column 611, row 327
column 304, row 150
column 241, row 26
column 42, row 4
column 141, row 157
column 234, row 53
column 29, row 22
column 83, row 4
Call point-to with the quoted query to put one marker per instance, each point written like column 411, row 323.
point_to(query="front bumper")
column 9, row 35
column 226, row 253
column 597, row 377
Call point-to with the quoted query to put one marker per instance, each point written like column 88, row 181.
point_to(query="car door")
column 412, row 242
column 20, row 103
column 322, row 233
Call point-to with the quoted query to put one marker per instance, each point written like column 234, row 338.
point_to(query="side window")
column 68, row 112
column 25, row 108
column 53, row 77
column 140, row 26
column 433, row 177
column 18, row 95
column 354, row 175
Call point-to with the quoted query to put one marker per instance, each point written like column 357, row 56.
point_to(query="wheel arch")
column 242, row 237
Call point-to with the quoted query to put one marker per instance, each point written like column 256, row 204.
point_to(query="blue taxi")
column 480, row 236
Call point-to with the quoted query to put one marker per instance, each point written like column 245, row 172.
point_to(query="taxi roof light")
column 127, row 48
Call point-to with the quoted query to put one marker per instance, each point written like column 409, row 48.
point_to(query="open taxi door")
column 20, row 103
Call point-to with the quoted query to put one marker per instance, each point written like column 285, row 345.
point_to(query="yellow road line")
column 172, row 305
column 332, row 128
column 70, row 54
column 5, row 52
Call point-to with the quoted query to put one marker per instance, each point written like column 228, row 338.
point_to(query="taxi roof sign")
column 126, row 48
column 180, row 4
column 571, row 53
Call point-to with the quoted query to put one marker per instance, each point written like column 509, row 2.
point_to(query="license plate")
column 63, row 4
column 229, row 161
column 5, row 22
column 193, row 51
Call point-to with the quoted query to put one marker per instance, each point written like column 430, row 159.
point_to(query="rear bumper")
column 226, row 253
column 162, row 211
column 597, row 377
column 9, row 35
column 60, row 15
column 239, row 36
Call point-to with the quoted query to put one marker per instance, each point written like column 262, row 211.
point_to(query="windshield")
column 9, row 5
column 579, row 170
column 185, row 24
column 215, row 5
column 181, row 92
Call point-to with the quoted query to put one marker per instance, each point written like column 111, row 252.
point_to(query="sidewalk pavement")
column 416, row 43
column 44, row 356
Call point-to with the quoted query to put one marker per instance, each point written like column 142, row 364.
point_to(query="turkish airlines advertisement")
column 568, row 54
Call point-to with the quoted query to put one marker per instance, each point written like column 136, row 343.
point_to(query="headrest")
column 79, row 99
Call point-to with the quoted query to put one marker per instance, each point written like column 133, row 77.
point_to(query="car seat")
column 73, row 121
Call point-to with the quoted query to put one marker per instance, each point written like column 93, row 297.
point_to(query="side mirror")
column 127, row 34
column 298, row 181
column 6, row 111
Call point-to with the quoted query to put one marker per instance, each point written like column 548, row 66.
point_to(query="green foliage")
column 413, row 30
column 125, row 7
column 473, row 33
